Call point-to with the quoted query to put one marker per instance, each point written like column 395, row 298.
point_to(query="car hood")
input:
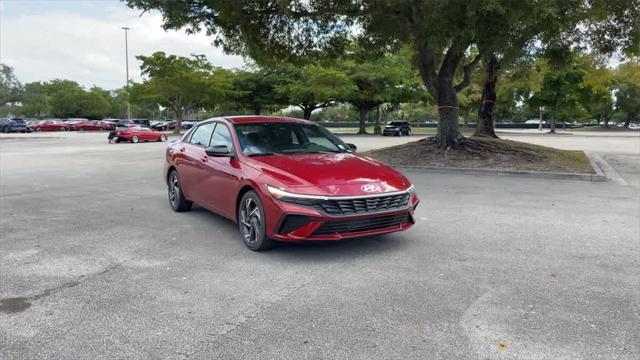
column 342, row 174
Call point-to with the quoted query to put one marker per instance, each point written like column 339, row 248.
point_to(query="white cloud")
column 89, row 48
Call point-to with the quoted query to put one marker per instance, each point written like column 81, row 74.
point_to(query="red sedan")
column 285, row 179
column 87, row 126
column 139, row 133
column 49, row 125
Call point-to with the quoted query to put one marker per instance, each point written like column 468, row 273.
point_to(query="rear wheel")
column 162, row 138
column 176, row 197
column 134, row 139
column 251, row 222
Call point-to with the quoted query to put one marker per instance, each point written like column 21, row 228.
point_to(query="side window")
column 202, row 135
column 222, row 136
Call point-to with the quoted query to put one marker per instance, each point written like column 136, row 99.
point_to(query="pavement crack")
column 20, row 304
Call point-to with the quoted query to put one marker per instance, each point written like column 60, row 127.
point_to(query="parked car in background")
column 285, row 179
column 48, row 125
column 13, row 125
column 139, row 133
column 187, row 124
column 397, row 128
column 86, row 125
column 166, row 125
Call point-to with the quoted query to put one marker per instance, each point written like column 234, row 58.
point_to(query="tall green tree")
column 257, row 90
column 597, row 89
column 11, row 89
column 386, row 79
column 439, row 33
column 65, row 98
column 560, row 92
column 315, row 87
column 180, row 83
column 628, row 91
column 35, row 102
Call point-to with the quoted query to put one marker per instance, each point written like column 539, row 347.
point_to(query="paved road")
column 496, row 268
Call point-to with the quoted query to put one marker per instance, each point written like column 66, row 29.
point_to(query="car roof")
column 245, row 119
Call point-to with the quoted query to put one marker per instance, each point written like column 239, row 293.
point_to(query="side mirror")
column 218, row 151
column 352, row 147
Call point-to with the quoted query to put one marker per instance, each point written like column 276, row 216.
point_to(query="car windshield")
column 395, row 123
column 286, row 138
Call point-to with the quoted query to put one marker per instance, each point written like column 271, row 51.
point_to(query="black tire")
column 5, row 129
column 176, row 197
column 134, row 139
column 251, row 223
column 162, row 138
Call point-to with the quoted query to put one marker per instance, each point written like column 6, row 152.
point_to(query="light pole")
column 540, row 124
column 126, row 55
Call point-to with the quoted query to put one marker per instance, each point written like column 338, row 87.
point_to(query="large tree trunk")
column 552, row 126
column 363, row 119
column 466, row 117
column 448, row 128
column 179, row 113
column 376, row 129
column 627, row 121
column 605, row 120
column 306, row 111
column 486, row 124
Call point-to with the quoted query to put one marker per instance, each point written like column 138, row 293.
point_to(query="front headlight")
column 411, row 189
column 284, row 195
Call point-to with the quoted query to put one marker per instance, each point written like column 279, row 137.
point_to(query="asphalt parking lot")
column 94, row 264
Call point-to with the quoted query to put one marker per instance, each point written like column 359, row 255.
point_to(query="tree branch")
column 467, row 69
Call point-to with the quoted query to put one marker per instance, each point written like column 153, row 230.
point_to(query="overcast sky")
column 83, row 41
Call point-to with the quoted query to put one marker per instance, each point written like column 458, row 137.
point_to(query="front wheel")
column 5, row 130
column 176, row 197
column 134, row 139
column 251, row 222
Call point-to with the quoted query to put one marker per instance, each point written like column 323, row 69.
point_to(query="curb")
column 603, row 168
column 598, row 177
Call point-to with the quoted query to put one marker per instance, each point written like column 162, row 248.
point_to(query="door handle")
column 181, row 149
column 204, row 159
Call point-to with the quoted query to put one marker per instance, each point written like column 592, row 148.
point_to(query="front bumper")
column 295, row 223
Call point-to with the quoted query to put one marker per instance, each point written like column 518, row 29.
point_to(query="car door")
column 222, row 175
column 146, row 133
column 191, row 160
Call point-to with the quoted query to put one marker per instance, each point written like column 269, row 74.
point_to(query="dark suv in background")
column 13, row 125
column 397, row 128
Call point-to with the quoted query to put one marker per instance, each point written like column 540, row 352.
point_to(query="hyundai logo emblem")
column 371, row 188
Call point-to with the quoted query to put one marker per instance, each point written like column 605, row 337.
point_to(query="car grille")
column 363, row 205
column 357, row 225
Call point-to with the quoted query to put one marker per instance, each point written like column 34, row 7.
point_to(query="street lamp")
column 540, row 124
column 126, row 54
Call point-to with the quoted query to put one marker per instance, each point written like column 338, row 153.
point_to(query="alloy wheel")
column 251, row 221
column 174, row 190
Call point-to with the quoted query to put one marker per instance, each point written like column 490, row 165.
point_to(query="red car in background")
column 49, row 125
column 86, row 125
column 139, row 133
column 285, row 179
